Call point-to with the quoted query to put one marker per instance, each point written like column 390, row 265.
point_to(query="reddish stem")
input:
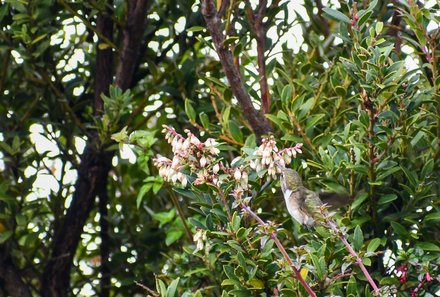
column 283, row 251
column 359, row 262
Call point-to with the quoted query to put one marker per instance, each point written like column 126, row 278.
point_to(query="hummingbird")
column 304, row 205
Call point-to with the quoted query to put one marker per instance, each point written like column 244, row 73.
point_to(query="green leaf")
column 336, row 15
column 189, row 110
column 411, row 176
column 319, row 265
column 161, row 287
column 235, row 131
column 373, row 245
column 275, row 119
column 256, row 283
column 226, row 113
column 379, row 27
column 432, row 217
column 236, row 220
column 240, row 293
column 172, row 289
column 286, row 95
column 20, row 219
column 195, row 29
column 144, row 189
column 165, row 217
column 372, row 5
column 385, row 199
column 359, row 200
column 352, row 287
column 172, row 236
column 358, row 238
column 428, row 246
column 197, row 223
column 229, row 271
column 230, row 282
column 4, row 236
column 204, row 119
column 399, row 229
column 230, row 40
column 364, row 17
column 341, row 91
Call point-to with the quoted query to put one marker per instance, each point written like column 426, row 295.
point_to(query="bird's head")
column 290, row 179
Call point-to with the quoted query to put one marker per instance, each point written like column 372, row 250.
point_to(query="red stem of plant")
column 359, row 262
column 283, row 251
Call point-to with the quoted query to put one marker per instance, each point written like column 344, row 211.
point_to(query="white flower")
column 216, row 168
column 184, row 181
column 244, row 180
column 203, row 161
column 211, row 144
column 176, row 162
column 237, row 174
column 198, row 239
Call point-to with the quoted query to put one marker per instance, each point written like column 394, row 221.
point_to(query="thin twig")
column 181, row 215
column 153, row 293
column 283, row 251
column 359, row 262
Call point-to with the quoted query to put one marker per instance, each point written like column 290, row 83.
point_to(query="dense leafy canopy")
column 87, row 85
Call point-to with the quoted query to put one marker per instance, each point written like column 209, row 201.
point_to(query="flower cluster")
column 202, row 160
column 270, row 158
column 403, row 269
column 191, row 152
column 424, row 278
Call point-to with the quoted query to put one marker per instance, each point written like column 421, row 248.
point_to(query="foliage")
column 361, row 94
column 369, row 125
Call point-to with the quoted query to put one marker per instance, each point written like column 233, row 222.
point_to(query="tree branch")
column 256, row 119
column 96, row 161
column 260, row 33
column 10, row 279
column 131, row 37
column 104, row 59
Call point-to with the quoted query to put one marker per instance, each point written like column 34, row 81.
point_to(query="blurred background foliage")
column 358, row 85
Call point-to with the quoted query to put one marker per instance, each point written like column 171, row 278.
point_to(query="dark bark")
column 95, row 162
column 93, row 170
column 325, row 28
column 10, row 278
column 104, row 64
column 131, row 37
column 260, row 33
column 256, row 119
column 104, row 60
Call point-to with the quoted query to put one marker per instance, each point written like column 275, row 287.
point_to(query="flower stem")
column 350, row 249
column 281, row 248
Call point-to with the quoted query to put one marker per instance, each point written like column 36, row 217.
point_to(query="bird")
column 302, row 204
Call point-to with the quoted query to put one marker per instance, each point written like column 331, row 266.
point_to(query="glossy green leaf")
column 336, row 15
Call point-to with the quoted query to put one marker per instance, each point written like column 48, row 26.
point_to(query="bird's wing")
column 312, row 201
